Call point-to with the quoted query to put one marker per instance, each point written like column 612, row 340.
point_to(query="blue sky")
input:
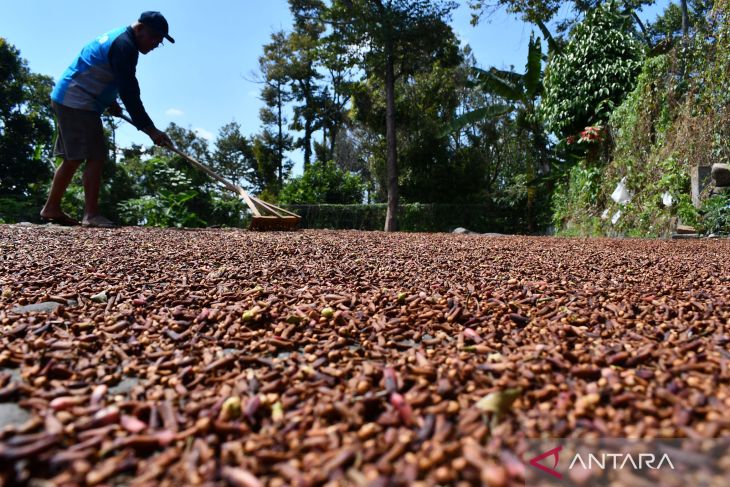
column 205, row 79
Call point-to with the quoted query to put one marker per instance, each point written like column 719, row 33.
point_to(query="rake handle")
column 194, row 162
column 235, row 188
column 229, row 185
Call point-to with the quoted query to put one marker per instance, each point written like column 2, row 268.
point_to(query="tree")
column 522, row 92
column 302, row 70
column 233, row 156
column 593, row 74
column 158, row 188
column 26, row 125
column 671, row 24
column 392, row 38
column 265, row 180
column 544, row 12
column 275, row 94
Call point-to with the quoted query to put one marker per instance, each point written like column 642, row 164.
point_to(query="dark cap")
column 157, row 22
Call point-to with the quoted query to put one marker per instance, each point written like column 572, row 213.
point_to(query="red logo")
column 552, row 453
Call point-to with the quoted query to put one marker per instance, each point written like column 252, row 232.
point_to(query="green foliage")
column 272, row 143
column 323, row 182
column 640, row 123
column 165, row 190
column 166, row 209
column 26, row 124
column 228, row 211
column 167, row 204
column 415, row 29
column 520, row 89
column 668, row 26
column 715, row 215
column 233, row 157
column 543, row 12
column 429, row 169
column 575, row 198
column 582, row 203
column 667, row 124
column 266, row 154
column 305, row 43
column 593, row 74
column 14, row 209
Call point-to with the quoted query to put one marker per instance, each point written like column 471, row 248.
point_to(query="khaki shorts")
column 80, row 134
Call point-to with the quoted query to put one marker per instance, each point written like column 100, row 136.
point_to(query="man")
column 106, row 67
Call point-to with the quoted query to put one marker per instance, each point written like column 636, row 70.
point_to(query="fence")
column 414, row 217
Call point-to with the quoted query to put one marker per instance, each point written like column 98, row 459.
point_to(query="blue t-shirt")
column 105, row 68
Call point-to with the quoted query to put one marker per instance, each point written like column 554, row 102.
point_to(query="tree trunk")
column 642, row 27
column 280, row 137
column 685, row 38
column 308, row 122
column 307, row 142
column 391, row 217
column 333, row 139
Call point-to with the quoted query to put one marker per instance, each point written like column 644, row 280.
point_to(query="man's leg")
column 92, row 185
column 61, row 180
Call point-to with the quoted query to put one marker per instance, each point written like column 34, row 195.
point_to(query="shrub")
column 323, row 182
column 593, row 74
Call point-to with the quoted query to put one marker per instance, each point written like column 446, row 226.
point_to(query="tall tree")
column 392, row 37
column 302, row 70
column 674, row 23
column 233, row 156
column 522, row 92
column 276, row 95
column 339, row 65
column 265, row 151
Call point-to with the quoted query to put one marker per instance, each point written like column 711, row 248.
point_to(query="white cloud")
column 203, row 133
column 174, row 112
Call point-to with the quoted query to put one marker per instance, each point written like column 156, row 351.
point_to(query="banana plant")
column 520, row 91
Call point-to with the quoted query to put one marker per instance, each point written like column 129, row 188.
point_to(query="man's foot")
column 59, row 218
column 98, row 221
column 721, row 174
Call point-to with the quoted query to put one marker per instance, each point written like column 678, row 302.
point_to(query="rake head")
column 274, row 223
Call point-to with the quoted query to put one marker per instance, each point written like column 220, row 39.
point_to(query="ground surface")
column 183, row 357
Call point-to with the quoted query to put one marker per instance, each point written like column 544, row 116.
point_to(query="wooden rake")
column 265, row 216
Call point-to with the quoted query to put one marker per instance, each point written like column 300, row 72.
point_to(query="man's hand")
column 159, row 137
column 114, row 109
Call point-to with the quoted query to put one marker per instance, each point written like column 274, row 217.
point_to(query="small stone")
column 12, row 415
column 721, row 174
column 100, row 298
column 45, row 307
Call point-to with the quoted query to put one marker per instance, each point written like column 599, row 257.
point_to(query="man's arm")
column 123, row 60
